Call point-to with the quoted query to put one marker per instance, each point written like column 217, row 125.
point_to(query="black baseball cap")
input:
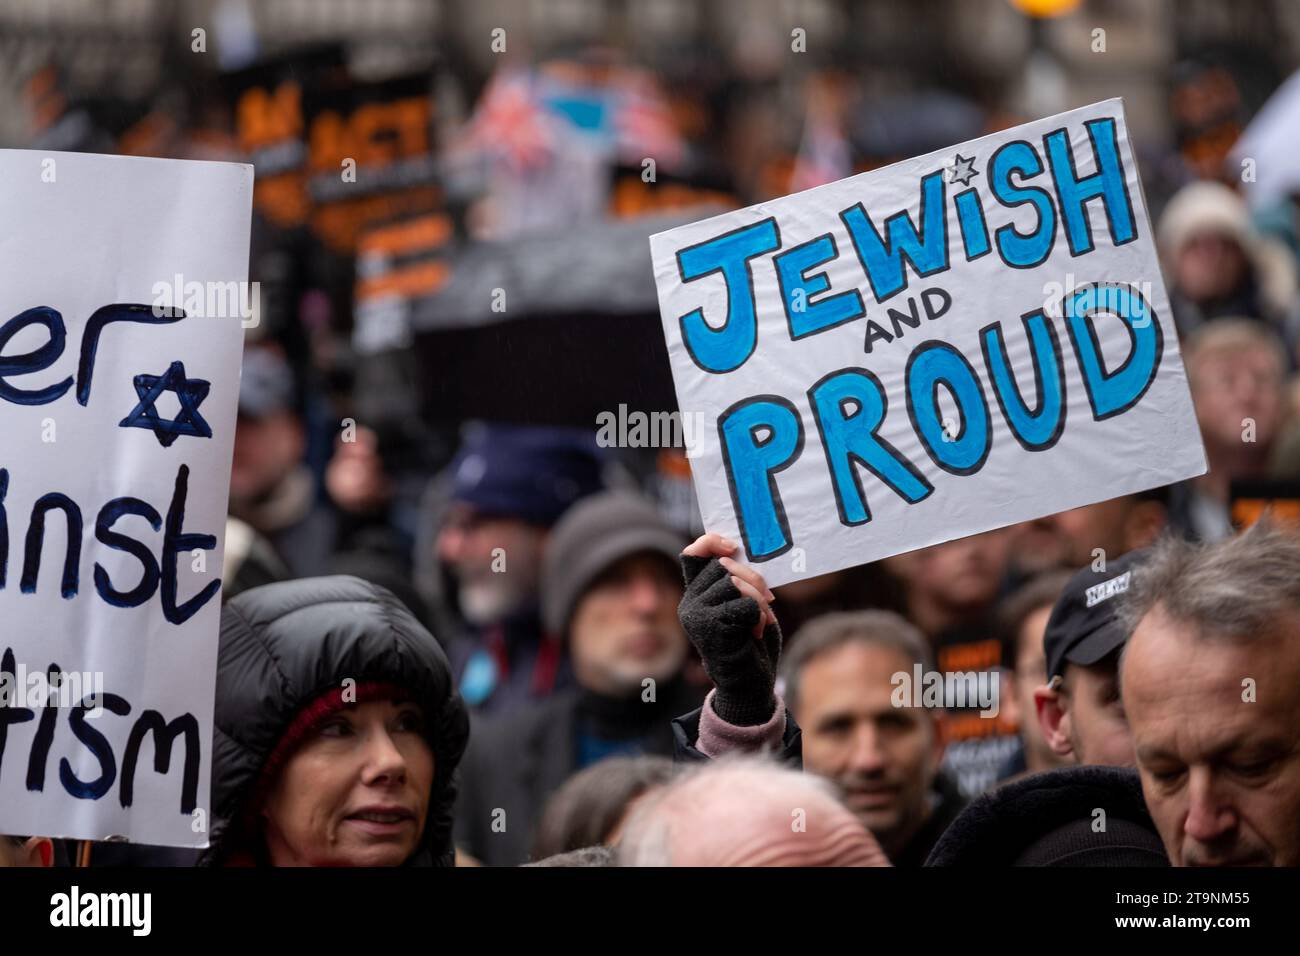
column 1084, row 625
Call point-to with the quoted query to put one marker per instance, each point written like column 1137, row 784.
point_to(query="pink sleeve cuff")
column 717, row 737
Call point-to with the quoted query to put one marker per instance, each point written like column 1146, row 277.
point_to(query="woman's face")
column 354, row 794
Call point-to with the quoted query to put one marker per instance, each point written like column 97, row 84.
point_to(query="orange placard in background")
column 1250, row 501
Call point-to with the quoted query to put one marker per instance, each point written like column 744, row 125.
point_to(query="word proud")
column 947, row 690
column 763, row 435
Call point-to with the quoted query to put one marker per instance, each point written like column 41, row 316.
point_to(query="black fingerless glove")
column 719, row 621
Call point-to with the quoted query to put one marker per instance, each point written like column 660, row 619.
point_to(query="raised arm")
column 727, row 613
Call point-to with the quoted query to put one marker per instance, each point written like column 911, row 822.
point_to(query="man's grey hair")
column 827, row 632
column 1235, row 589
column 584, row 856
column 648, row 838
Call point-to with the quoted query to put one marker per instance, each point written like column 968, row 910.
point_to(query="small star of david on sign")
column 189, row 391
column 962, row 171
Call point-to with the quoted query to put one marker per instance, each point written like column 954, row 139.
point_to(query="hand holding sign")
column 727, row 615
column 859, row 413
column 748, row 581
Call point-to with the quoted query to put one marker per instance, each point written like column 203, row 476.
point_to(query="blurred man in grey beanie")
column 610, row 586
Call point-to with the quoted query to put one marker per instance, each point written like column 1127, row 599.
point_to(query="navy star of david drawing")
column 189, row 391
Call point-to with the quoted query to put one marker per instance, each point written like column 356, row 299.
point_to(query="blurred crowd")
column 456, row 638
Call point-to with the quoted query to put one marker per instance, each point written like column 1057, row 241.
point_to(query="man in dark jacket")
column 838, row 684
column 610, row 585
column 1070, row 816
column 509, row 485
column 290, row 653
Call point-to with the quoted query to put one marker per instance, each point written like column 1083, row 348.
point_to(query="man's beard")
column 629, row 677
column 492, row 598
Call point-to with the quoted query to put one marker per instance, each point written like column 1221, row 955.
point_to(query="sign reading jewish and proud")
column 958, row 342
column 123, row 292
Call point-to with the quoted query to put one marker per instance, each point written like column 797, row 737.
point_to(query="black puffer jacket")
column 282, row 646
column 1052, row 819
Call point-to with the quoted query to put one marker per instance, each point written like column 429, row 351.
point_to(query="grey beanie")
column 593, row 535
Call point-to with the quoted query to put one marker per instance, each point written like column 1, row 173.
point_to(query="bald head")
column 747, row 813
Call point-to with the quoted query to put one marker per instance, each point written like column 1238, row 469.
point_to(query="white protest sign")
column 955, row 343
column 117, row 411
